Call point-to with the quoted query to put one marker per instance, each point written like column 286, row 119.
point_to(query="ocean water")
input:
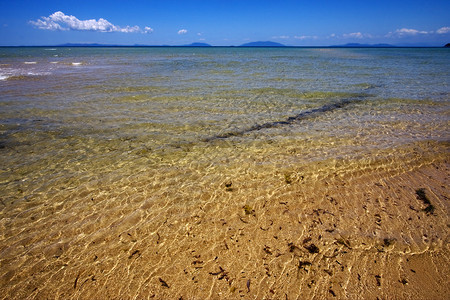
column 88, row 136
column 75, row 114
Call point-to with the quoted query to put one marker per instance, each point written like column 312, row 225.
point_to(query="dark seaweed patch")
column 267, row 250
column 163, row 283
column 304, row 265
column 387, row 242
column 287, row 178
column 421, row 195
column 249, row 210
column 222, row 274
column 312, row 248
column 291, row 120
column 378, row 278
column 344, row 242
column 228, row 185
column 136, row 252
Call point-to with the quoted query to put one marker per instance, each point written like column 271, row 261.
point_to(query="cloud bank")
column 61, row 21
column 406, row 32
column 397, row 34
column 443, row 30
column 148, row 29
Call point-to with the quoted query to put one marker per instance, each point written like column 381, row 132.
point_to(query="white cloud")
column 128, row 29
column 357, row 35
column 410, row 31
column 406, row 32
column 283, row 37
column 46, row 23
column 443, row 30
column 61, row 21
column 306, row 37
column 148, row 29
column 182, row 31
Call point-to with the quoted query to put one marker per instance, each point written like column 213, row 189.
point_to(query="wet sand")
column 375, row 231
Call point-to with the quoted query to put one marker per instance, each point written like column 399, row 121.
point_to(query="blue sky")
column 226, row 22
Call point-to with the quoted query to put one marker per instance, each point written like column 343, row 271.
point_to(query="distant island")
column 198, row 45
column 447, row 45
column 262, row 44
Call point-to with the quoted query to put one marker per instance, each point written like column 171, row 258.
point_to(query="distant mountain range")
column 262, row 44
column 135, row 45
column 251, row 44
column 198, row 45
column 87, row 45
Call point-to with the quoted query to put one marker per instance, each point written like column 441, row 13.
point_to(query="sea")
column 72, row 115
column 89, row 135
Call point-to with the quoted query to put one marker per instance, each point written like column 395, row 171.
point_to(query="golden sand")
column 362, row 232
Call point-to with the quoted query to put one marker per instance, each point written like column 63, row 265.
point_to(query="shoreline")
column 171, row 173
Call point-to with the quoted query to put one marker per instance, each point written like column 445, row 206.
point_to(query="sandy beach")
column 224, row 173
column 376, row 231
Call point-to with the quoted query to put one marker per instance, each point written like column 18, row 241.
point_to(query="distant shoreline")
column 258, row 44
column 180, row 46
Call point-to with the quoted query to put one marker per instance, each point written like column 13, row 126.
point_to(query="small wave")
column 30, row 62
column 52, row 49
column 14, row 75
column 77, row 64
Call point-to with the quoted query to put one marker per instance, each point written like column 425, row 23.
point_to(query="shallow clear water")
column 95, row 142
column 72, row 113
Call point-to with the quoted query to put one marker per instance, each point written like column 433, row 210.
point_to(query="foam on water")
column 19, row 73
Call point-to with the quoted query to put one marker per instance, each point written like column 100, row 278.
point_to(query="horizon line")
column 349, row 45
